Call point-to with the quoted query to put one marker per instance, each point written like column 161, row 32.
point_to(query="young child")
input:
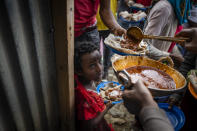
column 90, row 107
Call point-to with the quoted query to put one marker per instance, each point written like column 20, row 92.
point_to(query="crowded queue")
column 164, row 18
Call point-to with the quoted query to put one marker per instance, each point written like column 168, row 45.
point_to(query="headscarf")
column 182, row 9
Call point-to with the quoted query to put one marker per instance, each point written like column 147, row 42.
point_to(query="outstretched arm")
column 91, row 124
column 108, row 18
column 139, row 101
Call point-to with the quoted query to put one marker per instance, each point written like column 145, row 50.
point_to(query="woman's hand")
column 192, row 34
column 118, row 31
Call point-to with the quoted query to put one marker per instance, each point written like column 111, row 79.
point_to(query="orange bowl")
column 191, row 89
column 125, row 62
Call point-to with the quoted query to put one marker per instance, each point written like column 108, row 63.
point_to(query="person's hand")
column 138, row 98
column 109, row 105
column 118, row 31
column 192, row 34
column 177, row 59
column 167, row 61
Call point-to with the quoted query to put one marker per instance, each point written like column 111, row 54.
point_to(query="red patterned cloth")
column 144, row 2
column 88, row 105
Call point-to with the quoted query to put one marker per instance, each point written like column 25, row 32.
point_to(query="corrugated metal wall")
column 28, row 94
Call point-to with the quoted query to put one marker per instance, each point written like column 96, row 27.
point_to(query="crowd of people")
column 165, row 18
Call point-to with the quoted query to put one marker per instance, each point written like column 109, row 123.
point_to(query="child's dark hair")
column 81, row 49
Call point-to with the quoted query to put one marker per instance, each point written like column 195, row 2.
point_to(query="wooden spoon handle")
column 165, row 38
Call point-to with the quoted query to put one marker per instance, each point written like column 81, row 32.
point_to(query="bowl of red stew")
column 159, row 78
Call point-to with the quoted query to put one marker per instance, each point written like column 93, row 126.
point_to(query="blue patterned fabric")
column 182, row 9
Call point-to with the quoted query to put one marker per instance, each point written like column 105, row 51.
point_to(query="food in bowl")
column 120, row 44
column 111, row 92
column 123, row 62
column 151, row 77
column 129, row 44
column 133, row 16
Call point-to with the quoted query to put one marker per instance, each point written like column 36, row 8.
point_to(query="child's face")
column 91, row 66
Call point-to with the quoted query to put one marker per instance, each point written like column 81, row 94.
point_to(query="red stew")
column 151, row 77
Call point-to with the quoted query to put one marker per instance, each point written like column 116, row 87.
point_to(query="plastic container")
column 122, row 53
column 126, row 24
column 175, row 115
column 102, row 85
column 161, row 99
column 134, row 8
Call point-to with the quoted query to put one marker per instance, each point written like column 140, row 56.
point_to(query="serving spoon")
column 136, row 35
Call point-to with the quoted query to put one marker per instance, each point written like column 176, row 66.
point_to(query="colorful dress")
column 88, row 105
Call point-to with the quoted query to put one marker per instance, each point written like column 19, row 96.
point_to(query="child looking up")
column 90, row 107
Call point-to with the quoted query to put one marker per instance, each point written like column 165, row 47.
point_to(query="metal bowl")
column 125, row 62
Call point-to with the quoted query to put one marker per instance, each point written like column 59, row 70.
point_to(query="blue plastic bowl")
column 128, row 24
column 132, row 22
column 175, row 115
column 161, row 99
column 102, row 85
column 132, row 8
column 121, row 53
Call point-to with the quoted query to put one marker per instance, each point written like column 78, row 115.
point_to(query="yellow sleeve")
column 100, row 23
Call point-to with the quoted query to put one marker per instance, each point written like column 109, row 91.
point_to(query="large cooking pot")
column 125, row 62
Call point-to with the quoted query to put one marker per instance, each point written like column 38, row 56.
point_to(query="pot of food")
column 161, row 79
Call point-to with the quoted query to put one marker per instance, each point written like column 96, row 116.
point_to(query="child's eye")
column 92, row 65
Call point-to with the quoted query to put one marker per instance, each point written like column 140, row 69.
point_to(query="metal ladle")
column 136, row 35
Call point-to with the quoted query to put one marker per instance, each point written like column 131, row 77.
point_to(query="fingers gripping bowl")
column 126, row 62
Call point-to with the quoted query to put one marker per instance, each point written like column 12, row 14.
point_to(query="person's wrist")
column 113, row 29
column 148, row 101
column 148, row 104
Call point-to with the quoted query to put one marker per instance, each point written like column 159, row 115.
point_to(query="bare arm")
column 97, row 119
column 90, row 124
column 108, row 18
